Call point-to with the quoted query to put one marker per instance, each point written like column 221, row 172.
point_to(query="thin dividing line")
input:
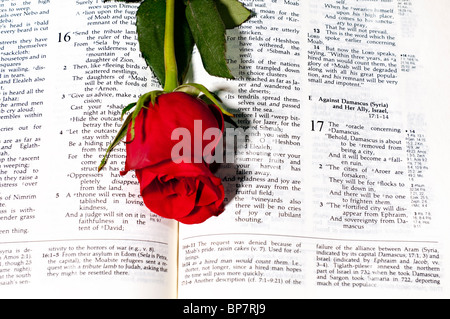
column 320, row 238
column 73, row 240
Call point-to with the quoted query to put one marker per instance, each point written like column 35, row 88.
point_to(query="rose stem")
column 170, row 63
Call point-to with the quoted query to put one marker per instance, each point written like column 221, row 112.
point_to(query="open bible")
column 338, row 186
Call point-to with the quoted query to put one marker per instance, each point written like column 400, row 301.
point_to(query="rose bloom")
column 184, row 188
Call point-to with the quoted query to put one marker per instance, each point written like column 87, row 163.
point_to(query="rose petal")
column 154, row 126
column 209, row 192
column 200, row 214
column 174, row 206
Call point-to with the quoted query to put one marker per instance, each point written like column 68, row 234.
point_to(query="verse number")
column 317, row 125
column 64, row 38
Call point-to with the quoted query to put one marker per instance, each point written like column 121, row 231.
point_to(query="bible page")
column 68, row 68
column 337, row 187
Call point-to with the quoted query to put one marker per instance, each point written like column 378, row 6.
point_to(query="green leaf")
column 143, row 100
column 131, row 119
column 233, row 13
column 208, row 31
column 184, row 42
column 150, row 23
column 126, row 109
column 121, row 135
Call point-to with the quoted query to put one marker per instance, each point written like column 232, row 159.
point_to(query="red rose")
column 181, row 188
